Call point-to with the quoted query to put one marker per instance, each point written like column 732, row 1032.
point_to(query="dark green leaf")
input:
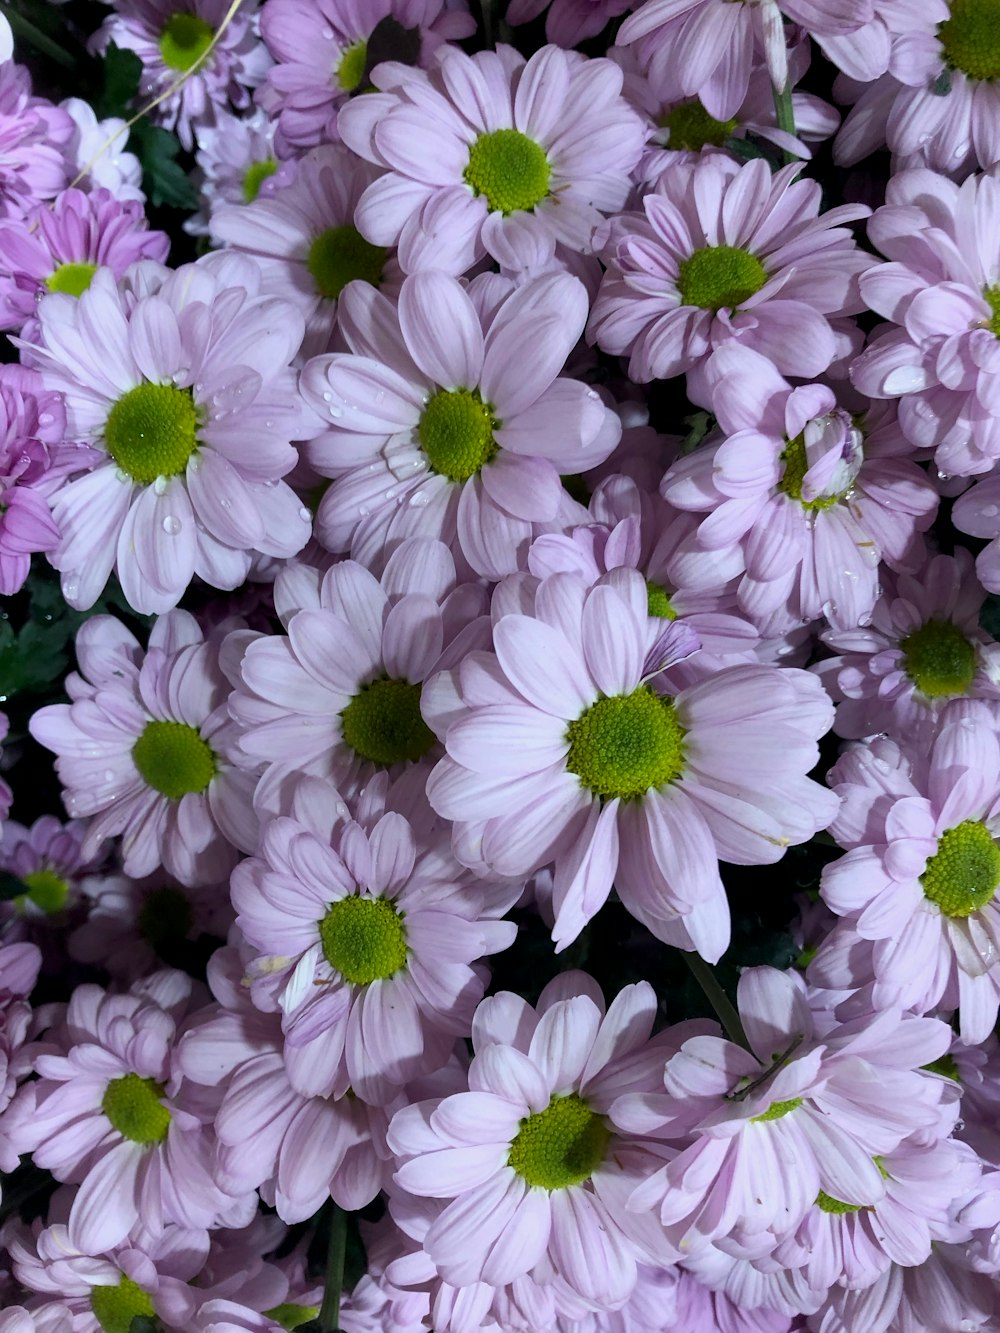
column 10, row 886
column 164, row 179
column 989, row 616
column 122, row 71
column 390, row 41
column 144, row 1323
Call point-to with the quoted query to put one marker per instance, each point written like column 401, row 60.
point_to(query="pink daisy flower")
column 921, row 872
column 364, row 942
column 34, row 137
column 59, row 247
column 187, row 396
column 922, row 649
column 304, row 240
column 111, row 1115
column 567, row 22
column 450, row 418
column 563, row 748
column 801, row 1114
column 943, row 291
column 48, row 861
column 19, row 968
column 532, row 1163
column 237, row 163
column 51, row 1319
column 976, row 512
column 813, row 505
column 321, row 52
column 33, row 463
column 489, row 154
column 97, row 147
column 170, row 37
column 724, row 251
column 142, row 749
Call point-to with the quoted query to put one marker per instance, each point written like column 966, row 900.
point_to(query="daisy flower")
column 192, row 428
column 321, row 52
column 97, row 147
column 923, row 648
column 942, row 290
column 976, row 512
column 33, row 464
column 921, row 873
column 19, row 967
column 141, row 749
column 237, row 163
column 364, row 943
column 531, row 1161
column 563, row 748
column 489, row 154
column 170, row 37
column 450, row 418
column 567, row 22
column 34, row 138
column 813, row 505
column 48, row 861
column 723, row 251
column 50, row 1319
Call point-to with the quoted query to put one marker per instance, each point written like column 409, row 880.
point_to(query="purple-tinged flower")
column 303, row 238
column 33, row 464
column 54, row 1318
column 723, row 251
column 59, row 247
column 812, row 502
column 171, row 38
column 942, row 290
column 321, row 52
column 532, row 1163
column 48, row 860
column 237, row 163
column 923, row 867
column 489, row 154
column 34, row 136
column 923, row 648
column 564, row 748
column 364, row 940
column 112, row 1115
column 977, row 512
column 451, row 420
column 19, row 968
column 97, row 148
column 567, row 22
column 717, row 1291
column 803, row 1114
column 142, row 748
column 187, row 395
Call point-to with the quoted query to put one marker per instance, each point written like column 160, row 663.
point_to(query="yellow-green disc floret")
column 560, row 1146
column 363, row 939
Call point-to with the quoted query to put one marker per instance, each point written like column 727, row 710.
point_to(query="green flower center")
column 939, row 659
column 46, row 890
column 963, row 874
column 971, row 38
column 363, row 939
column 255, row 176
column 829, row 1204
column 351, row 69
column 165, row 918
column 796, row 466
column 291, row 1316
column 560, row 1146
column 776, row 1110
column 185, row 40
column 944, row 1065
column 510, row 170
column 692, row 128
column 658, row 602
column 152, row 431
column 456, row 433
column 340, row 255
column 720, row 277
column 991, row 295
column 627, row 744
column 133, row 1106
column 383, row 723
column 71, row 279
column 114, row 1308
column 173, row 759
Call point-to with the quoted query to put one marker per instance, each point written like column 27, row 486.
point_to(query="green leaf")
column 144, row 1323
column 122, row 71
column 32, row 659
column 989, row 616
column 10, row 886
column 390, row 41
column 164, row 179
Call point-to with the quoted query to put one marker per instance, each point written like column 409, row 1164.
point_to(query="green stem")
column 717, row 998
column 25, row 29
column 329, row 1314
column 786, row 116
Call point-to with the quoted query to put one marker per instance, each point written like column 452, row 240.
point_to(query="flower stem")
column 785, row 114
column 33, row 35
column 717, row 998
column 329, row 1314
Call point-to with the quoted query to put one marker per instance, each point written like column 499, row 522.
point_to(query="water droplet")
column 363, row 511
column 305, row 515
column 71, row 586
column 121, row 475
column 160, row 485
column 420, row 499
column 109, row 775
column 171, row 525
column 990, row 511
column 335, row 411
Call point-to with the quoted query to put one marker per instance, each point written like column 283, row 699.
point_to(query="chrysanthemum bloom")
column 305, row 242
column 562, row 748
column 806, row 1109
column 943, row 291
column 487, row 154
column 19, row 968
column 812, row 504
column 923, row 867
column 719, row 1291
column 339, row 697
column 364, row 942
column 451, row 420
column 47, row 859
column 322, row 54
column 724, row 251
column 141, row 748
column 97, row 147
column 237, row 162
column 567, row 22
column 110, row 1114
column 186, row 392
column 170, row 37
column 923, row 648
column 34, row 135
column 51, row 1319
column 59, row 247
column 33, row 464
column 707, row 47
column 977, row 512
column 535, row 1168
